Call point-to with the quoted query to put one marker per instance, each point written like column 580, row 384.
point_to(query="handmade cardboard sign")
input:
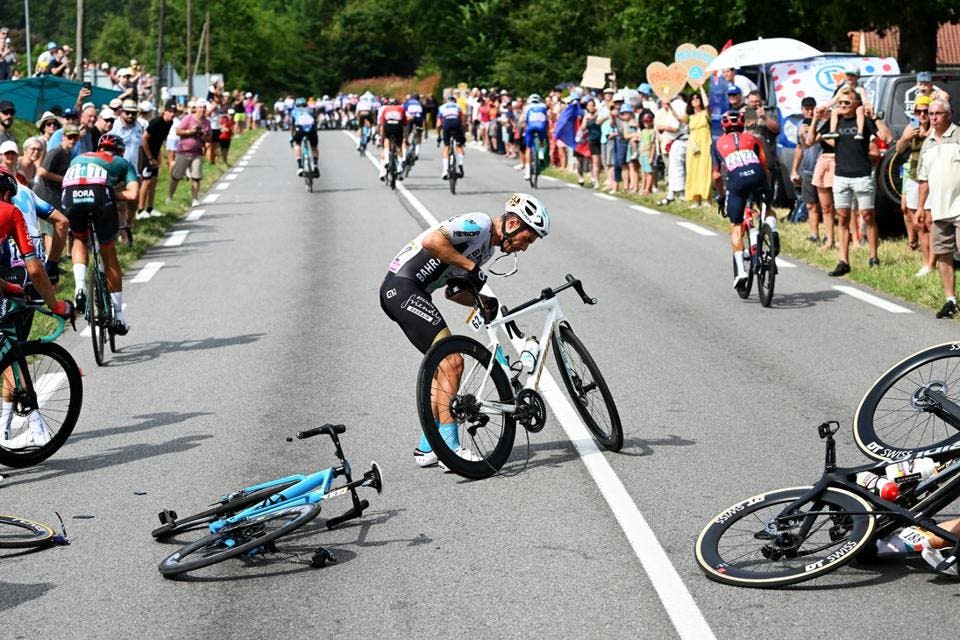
column 695, row 59
column 666, row 81
column 595, row 75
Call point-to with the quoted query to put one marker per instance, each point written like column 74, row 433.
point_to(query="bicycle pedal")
column 167, row 516
column 321, row 557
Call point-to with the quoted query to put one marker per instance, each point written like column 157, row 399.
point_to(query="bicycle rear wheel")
column 587, row 388
column 484, row 436
column 28, row 437
column 247, row 537
column 761, row 543
column 766, row 266
column 452, row 169
column 98, row 310
column 307, row 165
column 535, row 163
column 233, row 504
column 19, row 533
column 896, row 417
column 392, row 169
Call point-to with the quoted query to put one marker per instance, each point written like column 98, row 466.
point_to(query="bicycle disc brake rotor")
column 531, row 412
column 919, row 399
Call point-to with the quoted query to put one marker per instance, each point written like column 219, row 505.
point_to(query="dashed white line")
column 148, row 271
column 231, row 176
column 646, row 210
column 176, row 238
column 696, row 228
column 223, row 185
column 211, row 198
column 886, row 305
column 787, row 265
column 195, row 215
column 237, row 171
column 604, row 196
column 243, row 163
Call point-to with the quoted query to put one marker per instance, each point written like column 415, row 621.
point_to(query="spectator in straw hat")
column 47, row 124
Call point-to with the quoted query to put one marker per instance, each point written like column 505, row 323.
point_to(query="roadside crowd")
column 625, row 140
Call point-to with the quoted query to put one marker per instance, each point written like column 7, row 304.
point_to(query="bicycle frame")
column 308, row 490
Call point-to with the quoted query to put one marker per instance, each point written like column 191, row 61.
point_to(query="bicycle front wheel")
column 247, row 537
column 762, row 542
column 534, row 165
column 30, row 432
column 455, row 387
column 767, row 266
column 587, row 388
column 898, row 416
column 20, row 533
column 99, row 316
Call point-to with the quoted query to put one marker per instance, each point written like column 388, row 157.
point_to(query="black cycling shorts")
column 82, row 200
column 393, row 131
column 299, row 134
column 412, row 308
column 740, row 188
column 455, row 133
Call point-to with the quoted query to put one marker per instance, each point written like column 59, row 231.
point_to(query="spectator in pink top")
column 193, row 129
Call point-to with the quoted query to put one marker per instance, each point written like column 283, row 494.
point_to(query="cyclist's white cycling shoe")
column 35, row 434
column 467, row 454
column 740, row 282
column 424, row 458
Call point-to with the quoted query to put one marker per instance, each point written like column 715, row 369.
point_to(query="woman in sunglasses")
column 912, row 138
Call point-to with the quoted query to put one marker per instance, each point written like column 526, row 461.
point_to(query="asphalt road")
column 265, row 321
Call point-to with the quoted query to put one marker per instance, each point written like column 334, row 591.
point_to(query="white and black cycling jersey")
column 470, row 236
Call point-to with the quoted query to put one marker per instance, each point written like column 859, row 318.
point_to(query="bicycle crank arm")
column 494, row 408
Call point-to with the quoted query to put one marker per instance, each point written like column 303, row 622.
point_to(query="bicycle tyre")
column 492, row 447
column 767, row 266
column 535, row 164
column 99, row 318
column 452, row 169
column 893, row 405
column 781, row 560
column 307, row 165
column 392, row 169
column 251, row 531
column 565, row 340
column 20, row 533
column 408, row 163
column 224, row 509
column 57, row 411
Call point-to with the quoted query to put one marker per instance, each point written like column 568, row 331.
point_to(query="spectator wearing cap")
column 192, row 130
column 131, row 132
column 47, row 125
column 939, row 194
column 34, row 151
column 44, row 60
column 50, row 175
column 764, row 123
column 735, row 99
column 146, row 109
column 7, row 111
column 912, row 139
column 805, row 159
column 125, row 85
column 734, row 79
column 70, row 116
column 852, row 82
column 925, row 87
column 151, row 147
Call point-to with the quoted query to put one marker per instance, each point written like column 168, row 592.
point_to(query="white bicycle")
column 478, row 389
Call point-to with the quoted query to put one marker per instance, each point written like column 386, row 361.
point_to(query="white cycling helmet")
column 534, row 97
column 530, row 211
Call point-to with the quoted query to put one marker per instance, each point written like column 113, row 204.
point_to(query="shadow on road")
column 135, row 353
column 13, row 594
column 799, row 300
column 148, row 421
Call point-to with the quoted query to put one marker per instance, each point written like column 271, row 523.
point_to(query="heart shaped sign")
column 695, row 59
column 666, row 81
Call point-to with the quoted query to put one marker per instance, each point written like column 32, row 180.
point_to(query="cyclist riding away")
column 304, row 120
column 534, row 122
column 414, row 111
column 391, row 121
column 88, row 188
column 741, row 155
column 458, row 246
column 364, row 116
column 451, row 121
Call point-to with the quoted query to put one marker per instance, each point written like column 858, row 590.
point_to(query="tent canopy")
column 33, row 96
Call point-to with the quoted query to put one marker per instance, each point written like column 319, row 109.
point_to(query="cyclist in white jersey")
column 457, row 246
column 450, row 122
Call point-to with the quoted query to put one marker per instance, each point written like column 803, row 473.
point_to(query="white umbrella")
column 757, row 52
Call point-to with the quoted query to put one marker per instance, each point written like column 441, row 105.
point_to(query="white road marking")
column 696, row 228
column 237, row 171
column 243, row 163
column 886, row 305
column 646, row 210
column 211, row 198
column 176, row 238
column 550, row 178
column 604, row 196
column 571, row 185
column 195, row 215
column 686, row 616
column 783, row 263
column 231, row 176
column 223, row 185
column 148, row 271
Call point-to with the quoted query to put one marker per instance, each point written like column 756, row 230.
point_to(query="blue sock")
column 450, row 435
column 424, row 443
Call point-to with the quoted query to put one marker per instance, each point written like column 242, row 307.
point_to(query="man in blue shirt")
column 534, row 121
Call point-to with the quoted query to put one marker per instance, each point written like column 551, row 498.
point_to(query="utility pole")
column 26, row 15
column 161, row 17
column 206, row 30
column 189, row 47
column 78, row 67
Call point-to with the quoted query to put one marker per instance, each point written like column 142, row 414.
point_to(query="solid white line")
column 243, row 163
column 231, row 176
column 223, row 185
column 646, row 210
column 195, row 215
column 605, row 196
column 783, row 263
column 550, row 178
column 211, row 198
column 679, row 604
column 148, row 271
column 571, row 185
column 886, row 305
column 176, row 238
column 696, row 228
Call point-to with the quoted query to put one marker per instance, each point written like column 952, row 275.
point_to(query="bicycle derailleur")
column 531, row 411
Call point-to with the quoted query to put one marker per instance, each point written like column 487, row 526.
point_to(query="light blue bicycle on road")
column 247, row 523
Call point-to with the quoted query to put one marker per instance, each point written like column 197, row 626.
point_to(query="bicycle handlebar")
column 463, row 284
column 329, row 429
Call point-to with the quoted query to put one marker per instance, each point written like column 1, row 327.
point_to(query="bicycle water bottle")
column 918, row 469
column 753, row 236
column 528, row 356
column 886, row 489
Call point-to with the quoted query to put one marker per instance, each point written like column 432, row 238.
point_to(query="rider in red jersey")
column 391, row 120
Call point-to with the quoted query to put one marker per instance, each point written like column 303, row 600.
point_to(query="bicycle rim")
column 484, row 437
column 767, row 271
column 98, row 313
column 452, row 171
column 31, row 437
column 587, row 388
column 247, row 537
column 895, row 418
column 20, row 533
column 759, row 543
